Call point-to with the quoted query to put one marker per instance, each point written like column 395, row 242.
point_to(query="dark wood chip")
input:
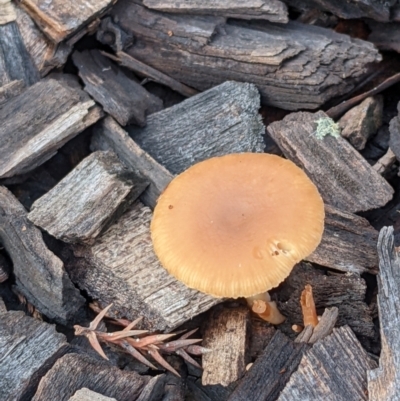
column 294, row 66
column 122, row 97
column 219, row 121
column 39, row 274
column 28, row 348
column 271, row 10
column 334, row 369
column 39, row 121
column 344, row 178
column 88, row 199
column 271, row 371
column 348, row 243
column 72, row 372
column 384, row 382
column 108, row 135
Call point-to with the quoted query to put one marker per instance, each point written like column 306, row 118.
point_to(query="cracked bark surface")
column 293, row 65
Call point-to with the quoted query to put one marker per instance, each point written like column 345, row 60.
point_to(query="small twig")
column 340, row 109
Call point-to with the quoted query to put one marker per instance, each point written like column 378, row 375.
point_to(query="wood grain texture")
column 7, row 12
column 273, row 10
column 5, row 269
column 294, row 66
column 39, row 121
column 394, row 129
column 28, row 348
column 88, row 199
column 143, row 70
column 45, row 54
column 3, row 308
column 384, row 382
column 334, row 369
column 15, row 61
column 374, row 9
column 271, row 371
column 348, row 243
column 154, row 389
column 59, row 20
column 108, row 135
column 345, row 291
column 343, row 177
column 121, row 268
column 225, row 333
column 85, row 394
column 122, row 97
column 219, row 121
column 72, row 372
column 39, row 274
column 325, row 326
column 10, row 90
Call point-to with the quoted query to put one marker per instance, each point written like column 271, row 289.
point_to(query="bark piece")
column 261, row 334
column 3, row 308
column 384, row 164
column 15, row 61
column 126, row 100
column 271, row 371
column 10, row 90
column 348, row 243
column 39, row 121
column 121, row 268
column 60, row 20
column 28, row 348
column 334, row 369
column 374, row 9
column 344, row 291
column 5, row 269
column 225, row 333
column 362, row 121
column 384, row 382
column 45, row 54
column 85, row 394
column 221, row 120
column 141, row 69
column 294, row 66
column 88, row 199
column 7, row 12
column 274, row 11
column 343, row 177
column 394, row 129
column 324, row 327
column 40, row 275
column 108, row 135
column 72, row 372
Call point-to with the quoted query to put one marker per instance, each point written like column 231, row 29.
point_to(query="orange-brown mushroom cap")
column 234, row 226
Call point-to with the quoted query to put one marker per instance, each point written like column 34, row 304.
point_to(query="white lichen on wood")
column 326, row 126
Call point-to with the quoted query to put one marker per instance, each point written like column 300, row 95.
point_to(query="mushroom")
column 234, row 226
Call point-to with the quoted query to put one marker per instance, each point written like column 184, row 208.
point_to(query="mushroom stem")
column 265, row 308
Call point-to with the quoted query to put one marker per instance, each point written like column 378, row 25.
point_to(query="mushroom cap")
column 234, row 226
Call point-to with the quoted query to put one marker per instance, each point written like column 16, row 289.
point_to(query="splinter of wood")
column 308, row 307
